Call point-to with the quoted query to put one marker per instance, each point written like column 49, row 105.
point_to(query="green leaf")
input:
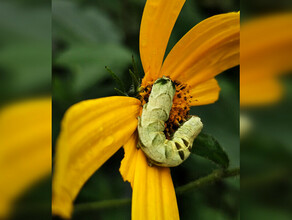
column 208, row 147
column 87, row 62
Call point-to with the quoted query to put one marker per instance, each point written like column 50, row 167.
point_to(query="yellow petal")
column 128, row 164
column 92, row 131
column 205, row 93
column 153, row 192
column 208, row 49
column 260, row 92
column 266, row 44
column 25, row 152
column 265, row 53
column 158, row 19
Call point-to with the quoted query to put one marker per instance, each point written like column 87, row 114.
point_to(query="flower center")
column 180, row 108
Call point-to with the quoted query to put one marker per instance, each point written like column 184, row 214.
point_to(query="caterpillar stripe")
column 152, row 141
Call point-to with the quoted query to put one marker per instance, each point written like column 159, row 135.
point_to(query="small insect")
column 152, row 141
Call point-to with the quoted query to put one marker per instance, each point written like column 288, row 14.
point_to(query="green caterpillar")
column 152, row 141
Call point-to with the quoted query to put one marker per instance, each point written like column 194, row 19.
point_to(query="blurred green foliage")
column 266, row 150
column 266, row 153
column 25, row 46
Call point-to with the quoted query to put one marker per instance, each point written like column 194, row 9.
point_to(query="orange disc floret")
column 145, row 90
column 180, row 107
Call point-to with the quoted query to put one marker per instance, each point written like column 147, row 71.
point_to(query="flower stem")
column 211, row 178
column 101, row 205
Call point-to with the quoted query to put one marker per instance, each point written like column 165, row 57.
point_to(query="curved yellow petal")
column 209, row 48
column 205, row 93
column 25, row 152
column 153, row 192
column 158, row 19
column 128, row 164
column 92, row 131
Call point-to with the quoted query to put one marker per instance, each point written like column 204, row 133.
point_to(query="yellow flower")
column 93, row 130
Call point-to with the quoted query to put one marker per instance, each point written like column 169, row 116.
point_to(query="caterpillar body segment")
column 152, row 141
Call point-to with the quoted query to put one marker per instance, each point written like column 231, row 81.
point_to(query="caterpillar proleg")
column 152, row 141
